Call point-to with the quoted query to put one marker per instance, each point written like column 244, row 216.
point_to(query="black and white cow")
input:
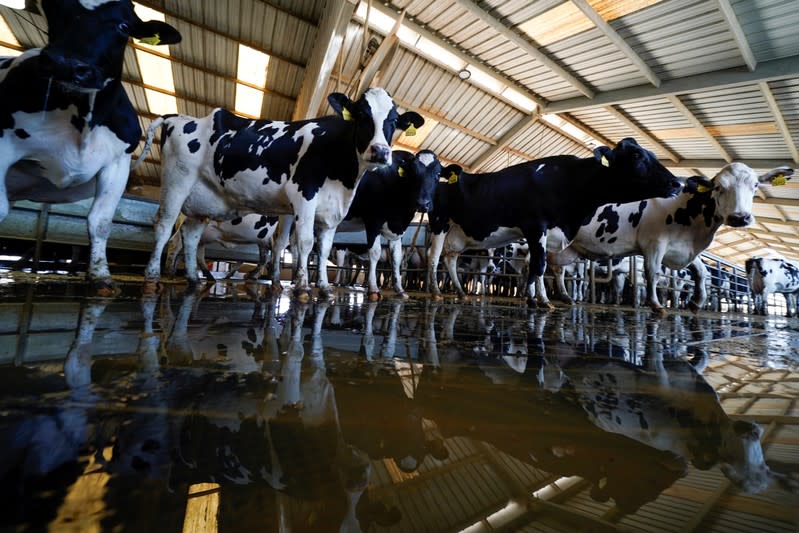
column 248, row 229
column 522, row 201
column 672, row 231
column 67, row 128
column 223, row 166
column 385, row 203
column 767, row 276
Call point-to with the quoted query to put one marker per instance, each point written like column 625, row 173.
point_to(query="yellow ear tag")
column 453, row 178
column 411, row 131
column 605, row 162
column 346, row 115
column 153, row 41
column 779, row 180
column 702, row 188
column 401, row 172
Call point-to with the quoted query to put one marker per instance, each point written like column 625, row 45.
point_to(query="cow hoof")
column 546, row 305
column 567, row 300
column 302, row 295
column 276, row 289
column 327, row 294
column 403, row 295
column 659, row 312
column 438, row 297
column 374, row 296
column 692, row 307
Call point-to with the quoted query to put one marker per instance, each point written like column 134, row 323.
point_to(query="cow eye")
column 123, row 28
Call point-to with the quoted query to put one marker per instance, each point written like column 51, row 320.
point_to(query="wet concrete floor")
column 237, row 411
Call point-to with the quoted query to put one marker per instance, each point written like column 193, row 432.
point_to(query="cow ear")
column 340, row 104
column 409, row 121
column 604, row 155
column 698, row 184
column 451, row 173
column 776, row 176
column 155, row 32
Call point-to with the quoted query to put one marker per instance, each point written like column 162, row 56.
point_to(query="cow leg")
column 396, row 261
column 172, row 198
column 281, row 241
column 304, row 234
column 789, row 302
column 341, row 255
column 451, row 261
column 560, row 283
column 652, row 262
column 258, row 270
column 699, row 275
column 173, row 249
column 191, row 231
column 325, row 244
column 433, row 255
column 536, row 291
column 202, row 264
column 111, row 183
column 373, row 291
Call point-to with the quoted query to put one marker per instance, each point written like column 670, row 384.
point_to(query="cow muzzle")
column 380, row 154
column 71, row 73
column 424, row 206
column 739, row 220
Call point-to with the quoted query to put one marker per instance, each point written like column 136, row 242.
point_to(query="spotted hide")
column 768, row 276
column 672, row 231
column 67, row 128
column 523, row 201
column 223, row 166
column 248, row 229
column 385, row 203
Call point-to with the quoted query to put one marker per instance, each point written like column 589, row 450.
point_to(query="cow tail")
column 148, row 143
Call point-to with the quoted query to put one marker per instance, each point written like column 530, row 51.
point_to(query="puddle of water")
column 241, row 411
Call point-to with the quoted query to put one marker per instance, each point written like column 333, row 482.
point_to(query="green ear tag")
column 411, row 131
column 153, row 41
column 605, row 162
column 702, row 188
column 779, row 180
column 453, row 178
column 346, row 115
column 401, row 172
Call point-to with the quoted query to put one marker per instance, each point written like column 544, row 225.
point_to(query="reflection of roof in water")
column 461, row 482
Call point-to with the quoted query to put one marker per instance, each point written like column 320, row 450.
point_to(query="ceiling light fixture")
column 464, row 74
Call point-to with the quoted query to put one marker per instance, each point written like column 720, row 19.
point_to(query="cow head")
column 87, row 39
column 733, row 190
column 375, row 119
column 425, row 170
column 741, row 457
column 636, row 172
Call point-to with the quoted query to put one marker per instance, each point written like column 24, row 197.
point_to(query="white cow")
column 672, row 231
column 67, row 128
column 767, row 276
column 223, row 166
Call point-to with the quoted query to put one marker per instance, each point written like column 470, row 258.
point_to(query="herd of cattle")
column 67, row 132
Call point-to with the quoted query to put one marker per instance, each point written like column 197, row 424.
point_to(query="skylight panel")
column 518, row 99
column 156, row 71
column 7, row 36
column 252, row 69
column 484, row 80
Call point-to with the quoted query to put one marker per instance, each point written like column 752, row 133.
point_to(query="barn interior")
column 227, row 407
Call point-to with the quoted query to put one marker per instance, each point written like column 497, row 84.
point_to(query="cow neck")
column 588, row 190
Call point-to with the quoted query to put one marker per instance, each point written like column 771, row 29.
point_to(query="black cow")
column 494, row 209
column 385, row 203
column 223, row 166
column 67, row 128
